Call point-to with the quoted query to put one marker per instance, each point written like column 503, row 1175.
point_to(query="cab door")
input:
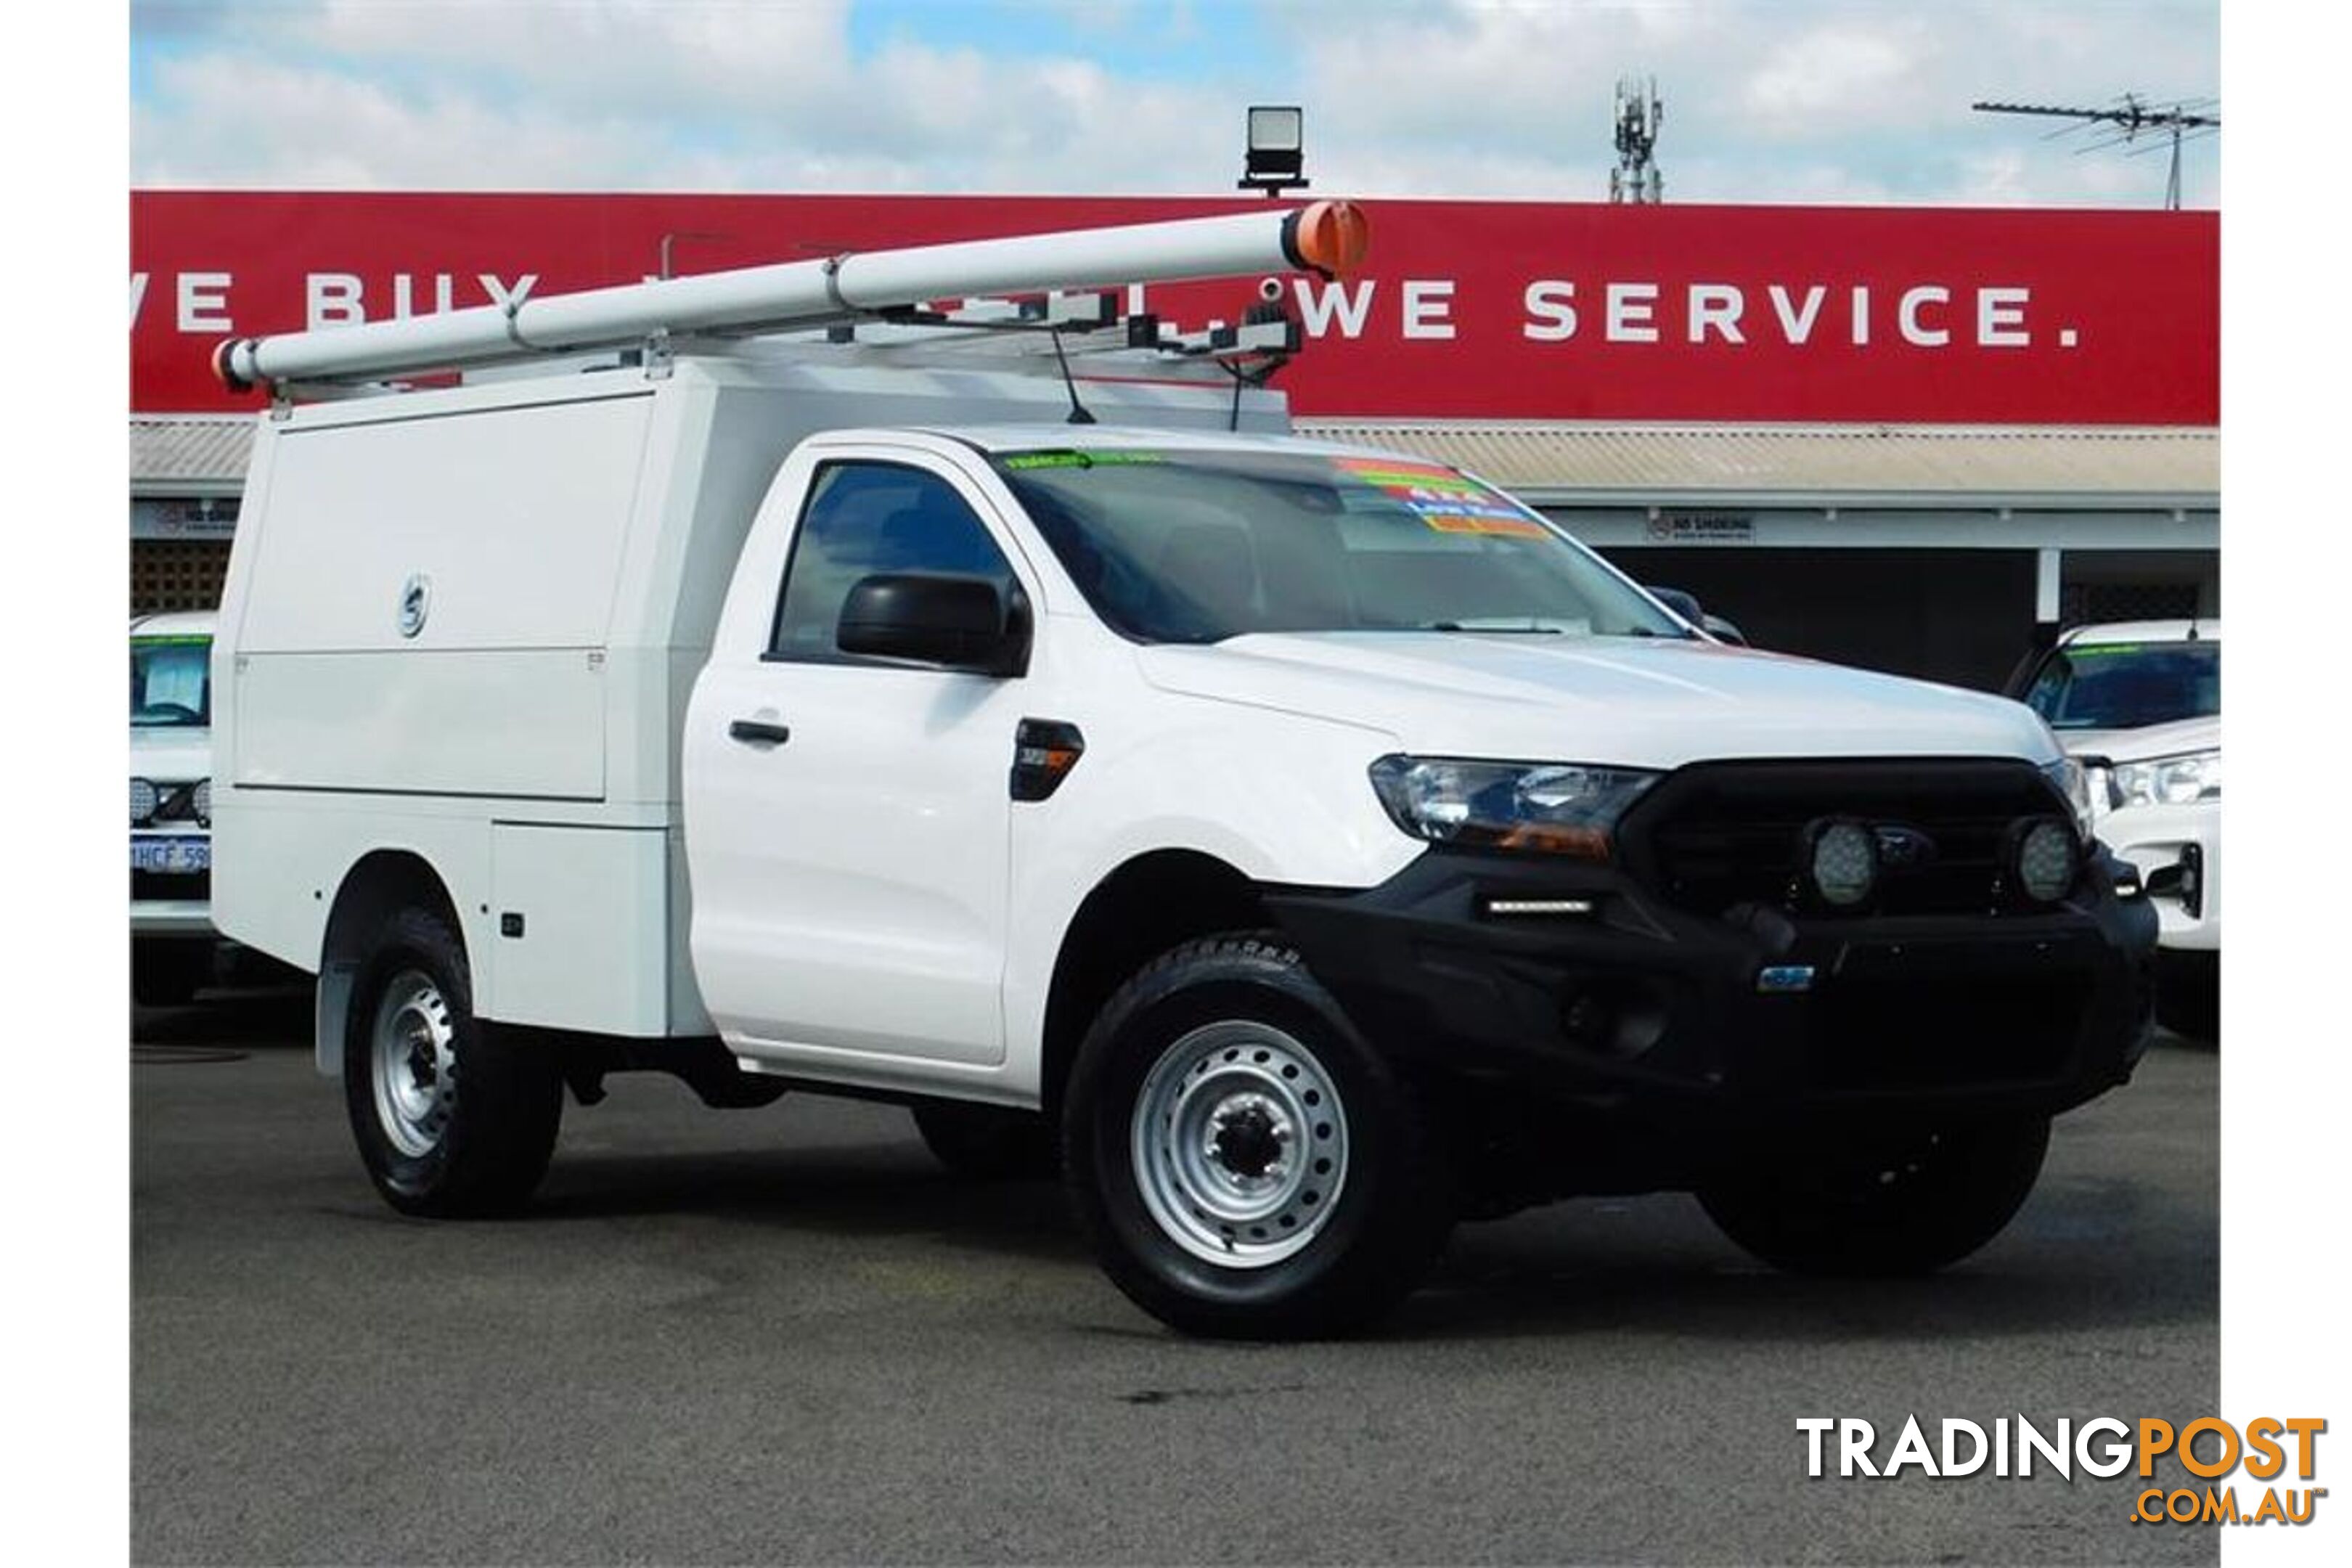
column 847, row 817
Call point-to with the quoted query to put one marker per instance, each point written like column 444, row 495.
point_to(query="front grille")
column 150, row 886
column 1718, row 834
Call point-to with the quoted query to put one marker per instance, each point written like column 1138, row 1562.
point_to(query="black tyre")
column 988, row 1143
column 169, row 974
column 452, row 1118
column 1243, row 1163
column 2188, row 995
column 1905, row 1209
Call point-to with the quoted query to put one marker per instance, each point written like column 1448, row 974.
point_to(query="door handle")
column 757, row 732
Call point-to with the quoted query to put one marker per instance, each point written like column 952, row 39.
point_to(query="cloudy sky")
column 1831, row 100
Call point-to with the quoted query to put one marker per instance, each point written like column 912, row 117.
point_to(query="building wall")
column 1962, row 616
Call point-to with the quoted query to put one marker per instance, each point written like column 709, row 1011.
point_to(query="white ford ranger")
column 1308, row 846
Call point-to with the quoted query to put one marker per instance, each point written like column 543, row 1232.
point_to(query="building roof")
column 1816, row 465
column 189, row 453
column 1572, row 464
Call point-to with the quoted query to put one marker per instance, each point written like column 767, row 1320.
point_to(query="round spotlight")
column 205, row 801
column 2047, row 861
column 143, row 801
column 1845, row 863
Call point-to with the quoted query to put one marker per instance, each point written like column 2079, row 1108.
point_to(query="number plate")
column 191, row 853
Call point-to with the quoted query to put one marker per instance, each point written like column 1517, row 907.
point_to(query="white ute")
column 172, row 935
column 1303, row 846
column 2140, row 703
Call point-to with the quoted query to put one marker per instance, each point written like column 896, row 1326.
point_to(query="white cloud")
column 1792, row 101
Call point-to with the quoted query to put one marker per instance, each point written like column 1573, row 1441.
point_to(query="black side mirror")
column 962, row 623
column 1680, row 602
column 1684, row 603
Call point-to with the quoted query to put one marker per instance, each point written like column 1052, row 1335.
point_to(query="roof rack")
column 891, row 287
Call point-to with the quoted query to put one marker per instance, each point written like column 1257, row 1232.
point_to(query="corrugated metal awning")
column 189, row 453
column 1565, row 463
column 1816, row 465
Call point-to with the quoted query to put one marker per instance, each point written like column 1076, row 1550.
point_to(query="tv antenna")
column 1640, row 111
column 2125, row 120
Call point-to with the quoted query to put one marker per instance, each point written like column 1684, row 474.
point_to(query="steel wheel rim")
column 412, row 1063
column 1239, row 1144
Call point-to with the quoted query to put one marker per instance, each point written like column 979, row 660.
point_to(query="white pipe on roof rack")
column 1323, row 236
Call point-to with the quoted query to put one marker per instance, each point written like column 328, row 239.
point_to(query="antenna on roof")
column 1640, row 113
column 1079, row 415
column 2124, row 121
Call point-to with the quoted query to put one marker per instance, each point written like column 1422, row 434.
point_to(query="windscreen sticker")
column 1070, row 460
column 1443, row 500
column 1511, row 524
column 173, row 639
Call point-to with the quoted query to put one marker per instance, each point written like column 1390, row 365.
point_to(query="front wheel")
column 1243, row 1163
column 452, row 1118
column 169, row 974
column 1909, row 1207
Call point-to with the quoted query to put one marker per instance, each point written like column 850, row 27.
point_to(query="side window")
column 868, row 517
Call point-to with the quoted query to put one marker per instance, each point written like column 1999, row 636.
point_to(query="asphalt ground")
column 787, row 1335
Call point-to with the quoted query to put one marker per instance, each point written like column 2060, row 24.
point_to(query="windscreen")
column 2126, row 686
column 1172, row 545
column 171, row 682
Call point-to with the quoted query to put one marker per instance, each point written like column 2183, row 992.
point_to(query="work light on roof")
column 1275, row 160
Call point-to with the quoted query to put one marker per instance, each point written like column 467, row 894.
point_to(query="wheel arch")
column 1146, row 905
column 379, row 883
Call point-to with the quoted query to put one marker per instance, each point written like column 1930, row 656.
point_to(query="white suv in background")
column 2141, row 702
column 172, row 936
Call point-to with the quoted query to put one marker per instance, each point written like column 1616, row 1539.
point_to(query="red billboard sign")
column 1468, row 309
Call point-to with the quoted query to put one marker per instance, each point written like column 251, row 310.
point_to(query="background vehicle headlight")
column 2048, row 860
column 205, row 801
column 143, row 801
column 2074, row 782
column 1556, row 809
column 2167, row 781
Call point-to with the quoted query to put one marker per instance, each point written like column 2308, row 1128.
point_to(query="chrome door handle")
column 757, row 732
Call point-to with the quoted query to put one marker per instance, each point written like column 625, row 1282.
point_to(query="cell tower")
column 2124, row 121
column 1640, row 111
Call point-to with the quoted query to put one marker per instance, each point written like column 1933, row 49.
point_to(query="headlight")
column 2167, row 781
column 2048, row 860
column 2075, row 784
column 1556, row 809
column 1845, row 861
column 143, row 801
column 205, row 801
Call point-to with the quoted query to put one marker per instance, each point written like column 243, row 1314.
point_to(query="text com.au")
column 2259, row 1472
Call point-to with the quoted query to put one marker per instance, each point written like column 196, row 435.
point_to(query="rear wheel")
column 1908, row 1208
column 1243, row 1162
column 988, row 1143
column 452, row 1118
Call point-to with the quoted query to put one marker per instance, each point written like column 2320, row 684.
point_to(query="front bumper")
column 173, row 919
column 2157, row 837
column 1679, row 1027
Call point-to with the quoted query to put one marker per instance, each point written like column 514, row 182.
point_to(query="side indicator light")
column 1044, row 752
